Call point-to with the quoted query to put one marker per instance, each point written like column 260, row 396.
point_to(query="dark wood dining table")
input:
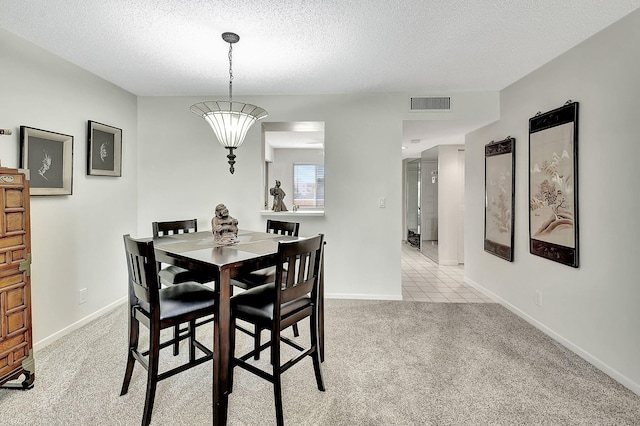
column 198, row 251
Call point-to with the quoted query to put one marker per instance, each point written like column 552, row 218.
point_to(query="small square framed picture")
column 49, row 158
column 104, row 150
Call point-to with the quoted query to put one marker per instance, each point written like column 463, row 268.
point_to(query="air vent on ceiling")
column 430, row 103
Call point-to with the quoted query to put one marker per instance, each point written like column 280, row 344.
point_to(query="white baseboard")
column 363, row 296
column 76, row 325
column 596, row 362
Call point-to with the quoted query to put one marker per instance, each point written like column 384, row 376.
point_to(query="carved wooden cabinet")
column 16, row 345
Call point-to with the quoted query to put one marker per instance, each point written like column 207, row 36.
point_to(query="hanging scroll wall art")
column 499, row 177
column 553, row 184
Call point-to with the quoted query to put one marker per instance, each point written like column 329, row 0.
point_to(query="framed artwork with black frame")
column 499, row 178
column 104, row 150
column 553, row 184
column 49, row 158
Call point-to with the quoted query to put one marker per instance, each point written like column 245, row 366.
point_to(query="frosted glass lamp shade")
column 230, row 121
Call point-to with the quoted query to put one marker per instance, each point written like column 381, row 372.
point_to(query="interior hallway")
column 423, row 280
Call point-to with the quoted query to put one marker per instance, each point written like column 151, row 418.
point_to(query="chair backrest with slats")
column 160, row 229
column 283, row 228
column 298, row 268
column 143, row 278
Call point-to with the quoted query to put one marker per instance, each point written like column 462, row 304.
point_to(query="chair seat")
column 186, row 298
column 175, row 275
column 256, row 304
column 255, row 278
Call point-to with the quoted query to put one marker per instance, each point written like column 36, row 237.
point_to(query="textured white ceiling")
column 173, row 47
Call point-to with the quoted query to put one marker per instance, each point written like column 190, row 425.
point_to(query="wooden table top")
column 200, row 246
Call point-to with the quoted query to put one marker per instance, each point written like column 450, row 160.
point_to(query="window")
column 308, row 185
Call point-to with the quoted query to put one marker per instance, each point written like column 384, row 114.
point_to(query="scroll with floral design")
column 553, row 184
column 499, row 201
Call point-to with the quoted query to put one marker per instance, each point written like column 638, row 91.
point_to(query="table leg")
column 221, row 349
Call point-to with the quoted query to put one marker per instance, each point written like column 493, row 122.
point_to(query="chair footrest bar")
column 255, row 370
column 253, row 352
column 294, row 361
column 140, row 356
column 291, row 343
column 202, row 347
column 245, row 331
column 184, row 367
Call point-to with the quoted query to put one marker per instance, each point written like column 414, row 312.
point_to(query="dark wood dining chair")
column 172, row 274
column 159, row 308
column 292, row 297
column 267, row 275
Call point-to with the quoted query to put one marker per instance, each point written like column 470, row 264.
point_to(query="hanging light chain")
column 230, row 71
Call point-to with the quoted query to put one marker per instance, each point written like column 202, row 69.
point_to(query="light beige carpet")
column 387, row 363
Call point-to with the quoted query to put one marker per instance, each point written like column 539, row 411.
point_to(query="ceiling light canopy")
column 229, row 120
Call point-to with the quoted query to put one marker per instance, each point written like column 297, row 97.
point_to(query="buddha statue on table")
column 223, row 226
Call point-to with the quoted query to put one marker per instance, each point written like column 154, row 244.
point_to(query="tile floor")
column 423, row 280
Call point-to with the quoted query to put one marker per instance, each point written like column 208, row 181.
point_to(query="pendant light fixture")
column 229, row 120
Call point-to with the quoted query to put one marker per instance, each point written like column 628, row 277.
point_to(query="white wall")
column 449, row 190
column 184, row 174
column 594, row 309
column 428, row 200
column 76, row 239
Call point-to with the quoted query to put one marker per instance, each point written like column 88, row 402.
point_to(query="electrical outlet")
column 538, row 298
column 82, row 296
